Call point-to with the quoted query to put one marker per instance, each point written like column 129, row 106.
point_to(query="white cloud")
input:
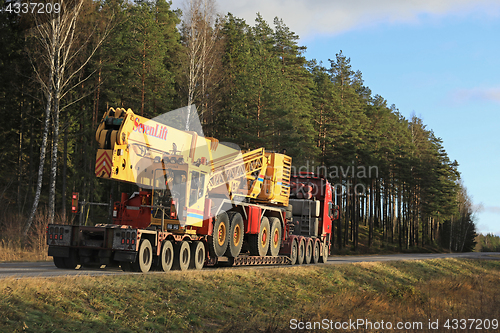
column 461, row 96
column 307, row 17
column 492, row 209
column 481, row 208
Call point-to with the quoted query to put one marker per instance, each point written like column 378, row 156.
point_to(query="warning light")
column 74, row 202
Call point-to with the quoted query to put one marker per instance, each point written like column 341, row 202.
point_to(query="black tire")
column 275, row 236
column 236, row 233
column 309, row 251
column 144, row 257
column 126, row 266
column 324, row 252
column 316, row 252
column 259, row 244
column 72, row 261
column 59, row 262
column 217, row 243
column 294, row 252
column 182, row 256
column 289, row 211
column 197, row 255
column 301, row 252
column 167, row 256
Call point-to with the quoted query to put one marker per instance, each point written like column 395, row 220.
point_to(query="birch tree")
column 200, row 31
column 56, row 58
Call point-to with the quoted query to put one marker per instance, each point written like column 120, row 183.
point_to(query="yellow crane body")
column 155, row 156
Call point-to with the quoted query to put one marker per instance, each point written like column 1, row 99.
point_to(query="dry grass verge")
column 257, row 300
column 15, row 247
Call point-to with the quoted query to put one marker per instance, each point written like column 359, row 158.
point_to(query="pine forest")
column 252, row 86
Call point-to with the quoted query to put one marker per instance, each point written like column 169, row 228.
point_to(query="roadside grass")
column 12, row 253
column 14, row 246
column 383, row 245
column 256, row 300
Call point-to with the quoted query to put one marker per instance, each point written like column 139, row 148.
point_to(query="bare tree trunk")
column 451, row 232
column 143, row 79
column 64, row 175
column 347, row 216
column 31, row 172
column 339, row 220
column 400, row 204
column 55, row 119
column 370, row 219
column 392, row 209
column 43, row 150
column 356, row 220
column 20, row 161
column 53, row 163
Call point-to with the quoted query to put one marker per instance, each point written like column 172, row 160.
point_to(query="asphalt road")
column 47, row 269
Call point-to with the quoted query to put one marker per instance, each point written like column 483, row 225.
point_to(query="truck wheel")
column 236, row 232
column 294, row 252
column 309, row 250
column 316, row 251
column 275, row 237
column 182, row 256
column 59, row 262
column 72, row 261
column 144, row 257
column 197, row 255
column 259, row 244
column 301, row 252
column 324, row 253
column 220, row 236
column 167, row 256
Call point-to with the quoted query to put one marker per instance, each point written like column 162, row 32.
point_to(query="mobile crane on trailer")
column 203, row 204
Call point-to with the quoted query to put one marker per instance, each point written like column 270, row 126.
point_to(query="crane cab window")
column 197, row 187
column 169, row 188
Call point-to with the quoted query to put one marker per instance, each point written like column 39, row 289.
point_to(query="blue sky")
column 439, row 59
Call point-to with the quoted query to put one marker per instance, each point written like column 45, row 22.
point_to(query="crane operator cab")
column 169, row 194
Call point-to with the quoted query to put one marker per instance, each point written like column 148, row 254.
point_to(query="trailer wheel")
column 309, row 250
column 197, row 255
column 275, row 236
column 259, row 244
column 236, row 232
column 301, row 252
column 294, row 252
column 220, row 236
column 324, row 253
column 316, row 251
column 72, row 261
column 126, row 266
column 167, row 256
column 182, row 256
column 144, row 257
column 59, row 262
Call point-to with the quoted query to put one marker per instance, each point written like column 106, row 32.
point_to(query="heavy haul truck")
column 199, row 203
